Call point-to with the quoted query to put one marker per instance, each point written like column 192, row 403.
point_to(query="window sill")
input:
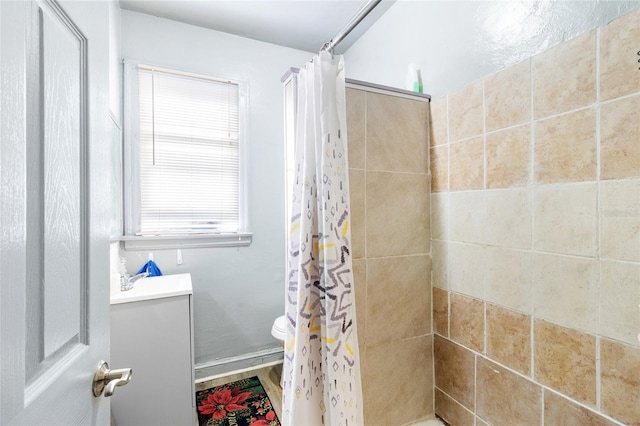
column 242, row 239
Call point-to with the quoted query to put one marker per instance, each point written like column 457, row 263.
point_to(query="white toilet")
column 277, row 331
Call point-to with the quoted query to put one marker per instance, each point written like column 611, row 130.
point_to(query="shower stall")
column 388, row 154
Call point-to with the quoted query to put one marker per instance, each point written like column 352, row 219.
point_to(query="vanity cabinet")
column 152, row 333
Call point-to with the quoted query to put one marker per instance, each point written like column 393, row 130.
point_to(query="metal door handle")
column 106, row 380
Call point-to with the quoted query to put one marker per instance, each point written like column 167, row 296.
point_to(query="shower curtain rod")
column 372, row 87
column 359, row 16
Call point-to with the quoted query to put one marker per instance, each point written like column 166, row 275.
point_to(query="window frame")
column 131, row 176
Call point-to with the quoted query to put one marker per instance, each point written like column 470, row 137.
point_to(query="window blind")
column 189, row 154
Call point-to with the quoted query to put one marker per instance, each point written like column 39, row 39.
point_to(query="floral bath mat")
column 243, row 403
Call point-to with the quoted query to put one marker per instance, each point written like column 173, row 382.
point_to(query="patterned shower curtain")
column 321, row 371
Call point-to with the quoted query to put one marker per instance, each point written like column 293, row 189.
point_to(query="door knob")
column 107, row 380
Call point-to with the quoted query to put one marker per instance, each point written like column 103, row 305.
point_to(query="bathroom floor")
column 430, row 422
column 270, row 378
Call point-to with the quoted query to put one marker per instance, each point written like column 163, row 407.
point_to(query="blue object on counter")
column 151, row 269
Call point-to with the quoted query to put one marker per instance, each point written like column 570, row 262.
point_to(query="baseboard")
column 229, row 365
column 234, row 372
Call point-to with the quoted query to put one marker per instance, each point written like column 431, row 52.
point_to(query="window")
column 184, row 149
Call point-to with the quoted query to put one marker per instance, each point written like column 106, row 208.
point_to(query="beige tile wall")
column 508, row 336
column 389, row 185
column 535, row 219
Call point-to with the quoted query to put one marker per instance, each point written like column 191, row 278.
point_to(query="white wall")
column 458, row 42
column 238, row 292
column 115, row 119
column 115, row 61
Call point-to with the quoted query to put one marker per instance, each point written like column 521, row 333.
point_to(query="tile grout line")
column 448, row 189
column 448, row 236
column 525, row 250
column 598, row 229
column 366, row 243
column 598, row 375
column 532, row 340
column 448, row 314
column 483, row 280
column 485, row 343
column 366, row 175
column 532, row 183
column 475, row 387
column 484, row 136
column 542, row 394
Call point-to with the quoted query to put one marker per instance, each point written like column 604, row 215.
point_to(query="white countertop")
column 154, row 288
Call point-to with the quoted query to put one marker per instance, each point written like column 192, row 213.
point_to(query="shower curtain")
column 321, row 372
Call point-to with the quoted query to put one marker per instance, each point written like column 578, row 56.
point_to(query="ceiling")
column 299, row 24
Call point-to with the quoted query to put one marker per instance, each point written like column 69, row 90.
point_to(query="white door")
column 54, row 211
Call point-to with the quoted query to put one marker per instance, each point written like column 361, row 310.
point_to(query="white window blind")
column 188, row 154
